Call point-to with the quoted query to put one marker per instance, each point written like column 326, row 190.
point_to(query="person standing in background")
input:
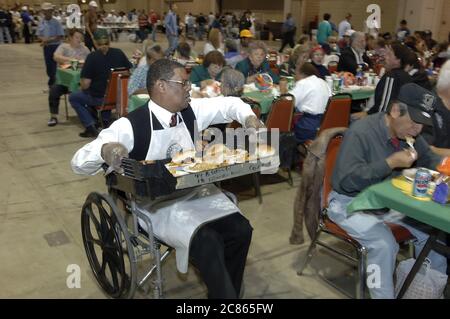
column 51, row 34
column 5, row 23
column 324, row 30
column 27, row 21
column 154, row 24
column 345, row 25
column 288, row 31
column 90, row 22
column 403, row 31
column 170, row 23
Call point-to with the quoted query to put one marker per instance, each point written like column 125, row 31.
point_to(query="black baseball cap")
column 421, row 103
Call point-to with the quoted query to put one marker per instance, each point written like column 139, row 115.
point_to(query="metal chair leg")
column 309, row 253
column 361, row 279
column 100, row 119
column 257, row 187
column 290, row 181
column 67, row 109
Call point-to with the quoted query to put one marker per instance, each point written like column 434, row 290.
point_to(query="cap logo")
column 428, row 102
column 426, row 115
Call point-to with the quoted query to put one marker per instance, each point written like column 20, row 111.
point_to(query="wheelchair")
column 115, row 243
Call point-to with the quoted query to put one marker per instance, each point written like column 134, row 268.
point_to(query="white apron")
column 176, row 221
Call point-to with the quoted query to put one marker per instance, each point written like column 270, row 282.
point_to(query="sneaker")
column 52, row 122
column 90, row 131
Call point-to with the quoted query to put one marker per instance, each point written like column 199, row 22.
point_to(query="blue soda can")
column 421, row 183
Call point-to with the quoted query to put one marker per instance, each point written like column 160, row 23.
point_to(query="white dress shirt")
column 209, row 47
column 311, row 95
column 208, row 111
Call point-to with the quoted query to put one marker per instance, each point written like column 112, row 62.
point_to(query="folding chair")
column 280, row 117
column 111, row 94
column 122, row 94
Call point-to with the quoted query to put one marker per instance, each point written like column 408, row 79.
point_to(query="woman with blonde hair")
column 215, row 42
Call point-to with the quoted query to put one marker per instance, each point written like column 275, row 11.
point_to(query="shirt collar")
column 163, row 116
column 357, row 55
column 384, row 131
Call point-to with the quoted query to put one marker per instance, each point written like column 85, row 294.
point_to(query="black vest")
column 140, row 122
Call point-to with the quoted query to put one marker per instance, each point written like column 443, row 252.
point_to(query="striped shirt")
column 388, row 89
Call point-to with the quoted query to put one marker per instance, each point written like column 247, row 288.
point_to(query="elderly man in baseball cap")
column 376, row 148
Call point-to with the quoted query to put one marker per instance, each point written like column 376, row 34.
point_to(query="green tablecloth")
column 384, row 195
column 136, row 101
column 359, row 94
column 68, row 78
column 264, row 99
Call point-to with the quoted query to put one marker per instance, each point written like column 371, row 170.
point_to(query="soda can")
column 421, row 183
column 336, row 85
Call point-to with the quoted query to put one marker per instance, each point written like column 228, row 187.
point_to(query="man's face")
column 359, row 43
column 391, row 61
column 245, row 42
column 48, row 14
column 257, row 57
column 176, row 95
column 103, row 46
column 403, row 126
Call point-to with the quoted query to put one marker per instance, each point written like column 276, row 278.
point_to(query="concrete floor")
column 41, row 200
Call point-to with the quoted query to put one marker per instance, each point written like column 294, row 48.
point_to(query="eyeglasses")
column 184, row 83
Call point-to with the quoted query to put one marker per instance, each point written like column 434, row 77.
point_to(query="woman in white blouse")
column 215, row 42
column 311, row 99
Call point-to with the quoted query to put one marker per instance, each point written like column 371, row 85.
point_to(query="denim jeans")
column 4, row 31
column 173, row 44
column 50, row 64
column 84, row 104
column 370, row 230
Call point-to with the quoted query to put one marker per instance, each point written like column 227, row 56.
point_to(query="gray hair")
column 443, row 83
column 403, row 108
column 355, row 35
column 255, row 45
column 232, row 82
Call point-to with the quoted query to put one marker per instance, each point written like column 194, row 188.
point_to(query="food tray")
column 153, row 179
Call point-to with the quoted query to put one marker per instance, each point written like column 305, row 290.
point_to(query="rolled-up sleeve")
column 88, row 160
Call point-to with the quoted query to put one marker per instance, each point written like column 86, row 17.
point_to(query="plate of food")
column 264, row 150
column 216, row 154
column 183, row 158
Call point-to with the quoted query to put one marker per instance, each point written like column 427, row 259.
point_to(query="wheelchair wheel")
column 108, row 247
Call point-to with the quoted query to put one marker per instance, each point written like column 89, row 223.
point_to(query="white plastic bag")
column 427, row 284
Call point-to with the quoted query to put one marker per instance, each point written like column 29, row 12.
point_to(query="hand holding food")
column 402, row 159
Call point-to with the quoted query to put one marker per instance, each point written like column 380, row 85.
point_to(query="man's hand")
column 112, row 154
column 253, row 122
column 402, row 159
